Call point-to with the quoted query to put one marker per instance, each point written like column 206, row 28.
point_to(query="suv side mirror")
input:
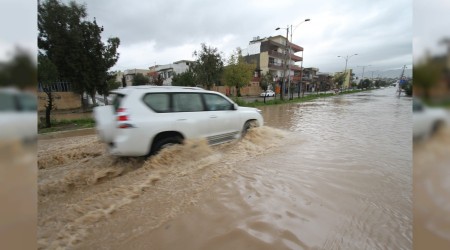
column 235, row 106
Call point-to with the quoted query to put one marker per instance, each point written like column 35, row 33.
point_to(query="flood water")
column 333, row 173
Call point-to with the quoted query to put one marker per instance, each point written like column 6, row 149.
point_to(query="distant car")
column 18, row 115
column 427, row 120
column 267, row 93
column 145, row 119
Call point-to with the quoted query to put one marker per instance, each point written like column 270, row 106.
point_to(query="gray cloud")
column 163, row 31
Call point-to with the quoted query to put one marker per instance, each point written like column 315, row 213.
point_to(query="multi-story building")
column 130, row 73
column 277, row 56
column 325, row 81
column 167, row 71
column 310, row 78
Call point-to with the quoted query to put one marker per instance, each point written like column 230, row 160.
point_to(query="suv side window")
column 27, row 102
column 217, row 102
column 158, row 102
column 187, row 102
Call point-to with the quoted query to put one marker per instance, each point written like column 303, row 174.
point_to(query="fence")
column 56, row 87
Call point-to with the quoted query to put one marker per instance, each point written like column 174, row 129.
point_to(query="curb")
column 68, row 133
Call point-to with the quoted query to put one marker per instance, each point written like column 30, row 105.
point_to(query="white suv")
column 18, row 115
column 144, row 119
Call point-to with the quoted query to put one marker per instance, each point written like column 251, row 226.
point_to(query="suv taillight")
column 122, row 117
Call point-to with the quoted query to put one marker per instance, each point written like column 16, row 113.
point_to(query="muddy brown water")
column 431, row 185
column 333, row 173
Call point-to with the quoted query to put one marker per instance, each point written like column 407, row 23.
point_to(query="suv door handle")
column 183, row 119
column 213, row 116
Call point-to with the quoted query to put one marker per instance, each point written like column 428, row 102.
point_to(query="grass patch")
column 64, row 125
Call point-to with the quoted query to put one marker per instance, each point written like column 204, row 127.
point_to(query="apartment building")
column 310, row 78
column 130, row 73
column 167, row 71
column 275, row 55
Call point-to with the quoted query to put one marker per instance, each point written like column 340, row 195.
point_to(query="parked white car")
column 267, row 93
column 18, row 115
column 144, row 119
column 427, row 120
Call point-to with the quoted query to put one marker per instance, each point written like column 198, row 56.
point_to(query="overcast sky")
column 163, row 31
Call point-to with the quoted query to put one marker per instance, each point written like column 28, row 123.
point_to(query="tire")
column 248, row 125
column 436, row 127
column 165, row 142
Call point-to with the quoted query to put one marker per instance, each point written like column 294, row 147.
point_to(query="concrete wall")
column 245, row 91
column 62, row 100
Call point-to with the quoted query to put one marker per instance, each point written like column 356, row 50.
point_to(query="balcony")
column 296, row 78
column 295, row 47
column 296, row 68
column 276, row 54
column 296, row 58
column 276, row 66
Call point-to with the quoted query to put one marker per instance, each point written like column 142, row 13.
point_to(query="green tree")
column 408, row 89
column 140, row 79
column 110, row 84
column 74, row 45
column 339, row 79
column 20, row 71
column 186, row 78
column 208, row 66
column 426, row 75
column 47, row 74
column 265, row 82
column 238, row 73
column 158, row 80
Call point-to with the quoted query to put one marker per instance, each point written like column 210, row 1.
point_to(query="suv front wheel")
column 248, row 125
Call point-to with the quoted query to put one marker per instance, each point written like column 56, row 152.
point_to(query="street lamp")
column 289, row 52
column 346, row 61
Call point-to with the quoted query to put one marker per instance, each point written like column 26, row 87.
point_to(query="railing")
column 295, row 67
column 276, row 54
column 296, row 58
column 279, row 66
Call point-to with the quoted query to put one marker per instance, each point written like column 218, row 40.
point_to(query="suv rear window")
column 117, row 100
column 7, row 102
column 159, row 102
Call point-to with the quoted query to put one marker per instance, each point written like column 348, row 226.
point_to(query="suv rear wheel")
column 164, row 143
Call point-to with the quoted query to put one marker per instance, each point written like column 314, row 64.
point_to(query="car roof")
column 158, row 89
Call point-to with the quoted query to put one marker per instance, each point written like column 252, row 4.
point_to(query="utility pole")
column 400, row 81
column 285, row 62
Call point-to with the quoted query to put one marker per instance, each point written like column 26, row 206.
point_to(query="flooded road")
column 333, row 173
column 432, row 192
